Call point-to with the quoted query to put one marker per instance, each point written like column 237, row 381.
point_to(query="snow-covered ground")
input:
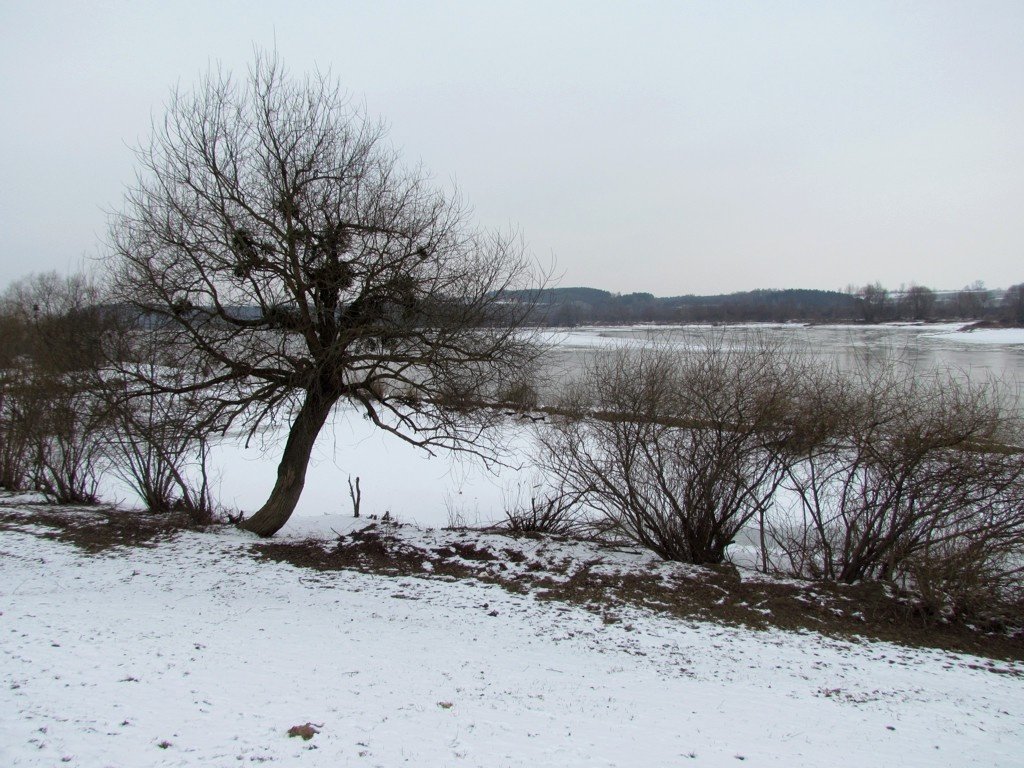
column 1012, row 336
column 395, row 477
column 192, row 653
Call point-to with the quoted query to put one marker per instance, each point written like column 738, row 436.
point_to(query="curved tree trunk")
column 291, row 472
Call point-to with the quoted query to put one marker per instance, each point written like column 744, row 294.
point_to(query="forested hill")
column 573, row 306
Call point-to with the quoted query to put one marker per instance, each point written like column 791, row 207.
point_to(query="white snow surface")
column 396, row 478
column 193, row 653
column 1011, row 336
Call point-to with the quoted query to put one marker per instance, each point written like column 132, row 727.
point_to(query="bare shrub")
column 918, row 482
column 677, row 449
column 969, row 577
column 548, row 510
column 19, row 418
column 16, row 421
column 545, row 514
column 159, row 437
column 51, row 421
column 520, row 395
column 68, row 444
column 161, row 454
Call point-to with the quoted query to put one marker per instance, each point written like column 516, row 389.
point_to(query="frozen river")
column 980, row 354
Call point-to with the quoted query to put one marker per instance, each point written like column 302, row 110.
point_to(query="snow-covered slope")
column 193, row 653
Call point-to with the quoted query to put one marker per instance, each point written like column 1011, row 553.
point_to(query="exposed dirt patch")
column 366, row 554
column 865, row 610
column 94, row 530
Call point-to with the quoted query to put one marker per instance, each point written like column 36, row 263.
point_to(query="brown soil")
column 98, row 530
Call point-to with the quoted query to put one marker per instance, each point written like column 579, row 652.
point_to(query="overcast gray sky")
column 667, row 147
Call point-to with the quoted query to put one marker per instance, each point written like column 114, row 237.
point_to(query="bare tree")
column 275, row 241
column 920, row 301
column 355, row 493
column 1013, row 304
column 676, row 449
column 874, row 299
column 971, row 300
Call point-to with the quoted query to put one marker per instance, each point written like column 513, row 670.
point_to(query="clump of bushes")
column 546, row 510
column 879, row 474
column 919, row 482
column 520, row 395
column 51, row 422
column 70, row 412
column 676, row 449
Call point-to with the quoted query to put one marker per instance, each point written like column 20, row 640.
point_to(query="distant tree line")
column 917, row 302
column 872, row 303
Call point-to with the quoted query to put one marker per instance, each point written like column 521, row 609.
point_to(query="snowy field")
column 191, row 653
column 991, row 336
column 395, row 477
